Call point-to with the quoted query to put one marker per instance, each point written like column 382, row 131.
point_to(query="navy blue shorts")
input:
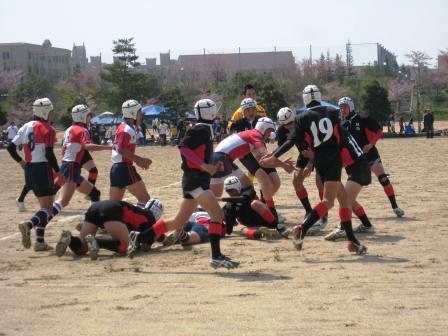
column 71, row 172
column 200, row 229
column 39, row 176
column 227, row 162
column 123, row 175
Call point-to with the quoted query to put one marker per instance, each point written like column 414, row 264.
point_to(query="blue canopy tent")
column 152, row 111
column 323, row 103
column 107, row 120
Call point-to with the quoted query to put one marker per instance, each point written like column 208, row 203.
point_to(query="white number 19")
column 325, row 127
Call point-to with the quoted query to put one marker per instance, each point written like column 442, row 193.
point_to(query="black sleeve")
column 287, row 145
column 49, row 154
column 371, row 124
column 12, row 150
column 193, row 138
column 282, row 135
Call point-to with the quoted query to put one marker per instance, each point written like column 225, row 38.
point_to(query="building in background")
column 442, row 62
column 237, row 62
column 79, row 57
column 43, row 60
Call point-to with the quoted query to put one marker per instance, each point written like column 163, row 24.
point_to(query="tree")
column 375, row 102
column 174, row 99
column 123, row 79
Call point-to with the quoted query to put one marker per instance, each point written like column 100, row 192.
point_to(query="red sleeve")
column 50, row 138
column 194, row 161
column 85, row 137
column 122, row 139
column 372, row 130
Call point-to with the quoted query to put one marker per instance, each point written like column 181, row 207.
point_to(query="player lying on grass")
column 117, row 218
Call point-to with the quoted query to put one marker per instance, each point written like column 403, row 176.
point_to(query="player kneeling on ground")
column 117, row 218
column 255, row 215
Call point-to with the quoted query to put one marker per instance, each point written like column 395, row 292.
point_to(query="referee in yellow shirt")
column 248, row 92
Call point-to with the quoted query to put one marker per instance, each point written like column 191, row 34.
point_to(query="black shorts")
column 302, row 161
column 373, row 156
column 194, row 183
column 123, row 175
column 250, row 163
column 328, row 166
column 104, row 211
column 86, row 158
column 359, row 172
column 39, row 176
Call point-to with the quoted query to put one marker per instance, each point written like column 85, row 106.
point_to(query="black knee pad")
column 384, row 180
column 95, row 195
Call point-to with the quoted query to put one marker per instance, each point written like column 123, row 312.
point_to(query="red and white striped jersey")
column 35, row 136
column 75, row 137
column 200, row 217
column 240, row 144
column 125, row 137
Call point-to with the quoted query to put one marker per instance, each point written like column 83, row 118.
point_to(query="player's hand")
column 219, row 166
column 22, row 164
column 288, row 165
column 209, row 168
column 143, row 163
column 58, row 179
column 268, row 160
column 367, row 148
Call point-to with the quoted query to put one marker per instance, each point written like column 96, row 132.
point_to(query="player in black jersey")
column 250, row 212
column 367, row 132
column 196, row 149
column 319, row 127
column 117, row 218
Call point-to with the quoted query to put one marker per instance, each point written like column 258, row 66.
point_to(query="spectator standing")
column 428, row 124
column 12, row 131
column 155, row 126
column 401, row 123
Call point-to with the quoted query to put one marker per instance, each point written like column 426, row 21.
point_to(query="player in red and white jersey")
column 238, row 146
column 76, row 144
column 37, row 138
column 123, row 174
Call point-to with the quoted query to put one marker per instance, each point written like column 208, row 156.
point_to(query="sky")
column 189, row 27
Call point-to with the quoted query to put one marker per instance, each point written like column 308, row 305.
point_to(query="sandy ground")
column 399, row 288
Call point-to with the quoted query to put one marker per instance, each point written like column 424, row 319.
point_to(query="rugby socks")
column 269, row 218
column 389, row 191
column 317, row 213
column 252, row 233
column 39, row 221
column 302, row 195
column 345, row 215
column 361, row 214
column 93, row 175
column 57, row 208
column 26, row 189
column 183, row 237
column 214, row 232
column 94, row 194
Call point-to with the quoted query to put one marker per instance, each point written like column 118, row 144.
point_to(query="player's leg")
column 138, row 189
column 378, row 169
column 20, row 201
column 301, row 192
column 88, row 189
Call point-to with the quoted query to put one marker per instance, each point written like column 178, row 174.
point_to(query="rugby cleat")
column 25, row 230
column 283, row 231
column 93, row 247
column 358, row 248
column 63, row 243
column 336, row 234
column 297, row 237
column 399, row 212
column 20, row 206
column 224, row 262
column 364, row 229
column 172, row 238
column 41, row 247
column 133, row 244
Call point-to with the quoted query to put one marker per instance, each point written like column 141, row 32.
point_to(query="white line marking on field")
column 71, row 218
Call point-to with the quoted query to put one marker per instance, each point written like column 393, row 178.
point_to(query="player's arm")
column 122, row 141
column 12, row 150
column 188, row 143
column 373, row 131
column 94, row 147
